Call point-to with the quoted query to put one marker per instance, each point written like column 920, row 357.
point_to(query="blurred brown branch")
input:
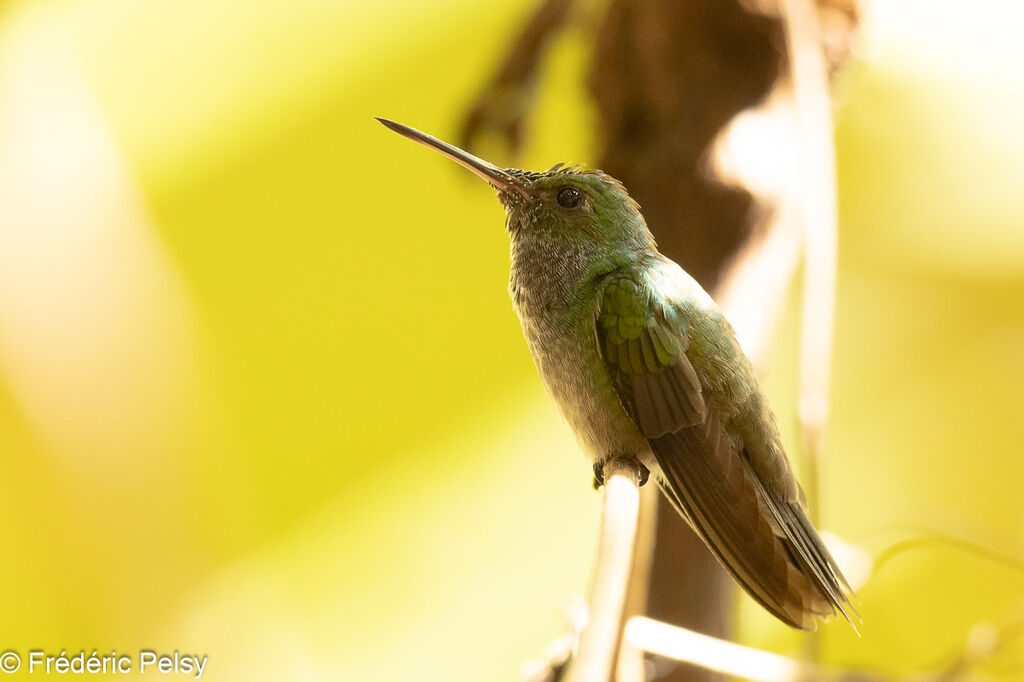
column 505, row 103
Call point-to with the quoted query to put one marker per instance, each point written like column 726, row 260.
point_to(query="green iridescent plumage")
column 645, row 351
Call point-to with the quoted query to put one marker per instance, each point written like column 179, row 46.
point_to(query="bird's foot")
column 599, row 474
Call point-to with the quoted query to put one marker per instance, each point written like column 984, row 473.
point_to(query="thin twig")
column 939, row 539
column 599, row 642
column 680, row 644
column 816, row 180
column 644, row 634
column 815, row 195
column 630, row 666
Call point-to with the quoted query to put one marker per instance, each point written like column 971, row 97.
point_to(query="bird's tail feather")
column 769, row 546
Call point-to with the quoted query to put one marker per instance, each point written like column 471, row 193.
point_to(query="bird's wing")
column 646, row 354
column 768, row 545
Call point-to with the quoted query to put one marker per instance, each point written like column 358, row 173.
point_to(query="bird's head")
column 567, row 205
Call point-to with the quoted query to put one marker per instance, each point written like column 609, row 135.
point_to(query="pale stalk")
column 816, row 184
column 680, row 644
column 816, row 180
column 630, row 666
column 599, row 641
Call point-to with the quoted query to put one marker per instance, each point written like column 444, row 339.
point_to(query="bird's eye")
column 569, row 197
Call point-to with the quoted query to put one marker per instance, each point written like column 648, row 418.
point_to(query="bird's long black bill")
column 484, row 169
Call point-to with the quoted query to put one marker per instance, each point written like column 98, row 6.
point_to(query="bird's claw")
column 599, row 474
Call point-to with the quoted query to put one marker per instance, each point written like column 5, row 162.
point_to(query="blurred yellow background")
column 263, row 397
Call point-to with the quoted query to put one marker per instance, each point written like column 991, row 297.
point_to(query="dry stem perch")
column 599, row 642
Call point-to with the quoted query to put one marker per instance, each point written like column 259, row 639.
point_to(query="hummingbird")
column 642, row 364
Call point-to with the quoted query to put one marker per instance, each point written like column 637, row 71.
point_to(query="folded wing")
column 767, row 543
